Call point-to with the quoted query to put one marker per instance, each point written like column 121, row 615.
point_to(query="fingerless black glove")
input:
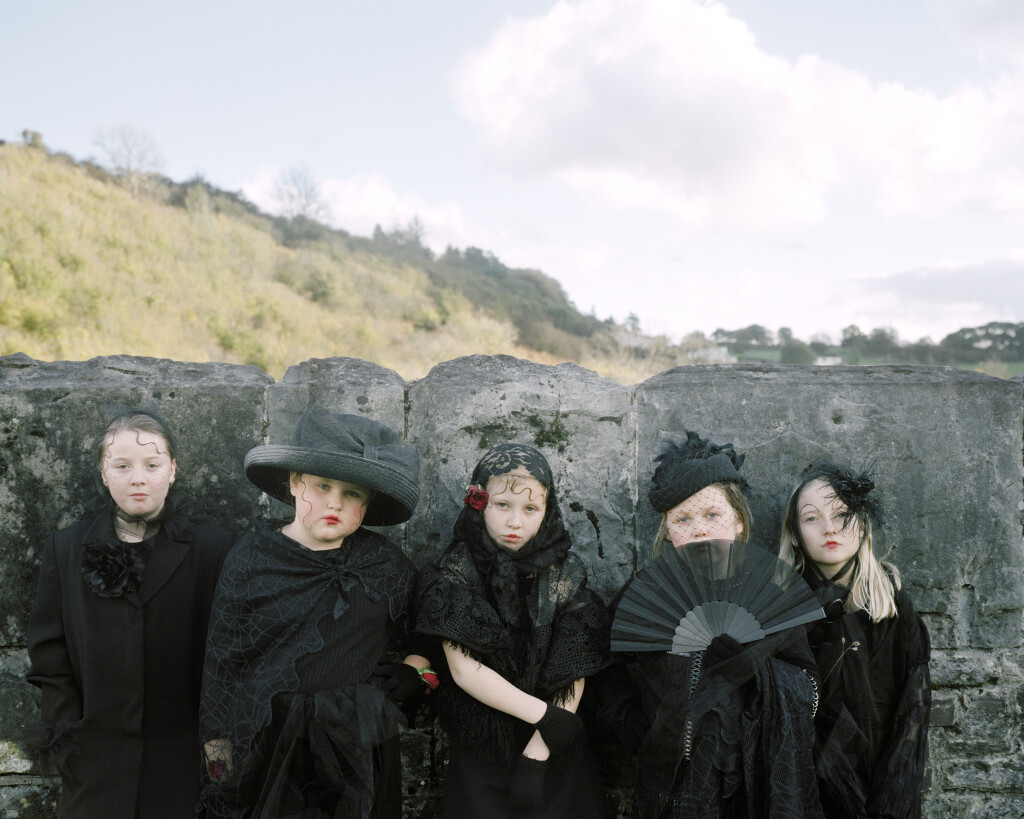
column 559, row 728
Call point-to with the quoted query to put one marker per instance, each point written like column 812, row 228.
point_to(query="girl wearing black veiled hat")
column 872, row 653
column 520, row 631
column 727, row 731
column 296, row 720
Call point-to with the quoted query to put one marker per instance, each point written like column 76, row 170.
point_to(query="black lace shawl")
column 873, row 721
column 527, row 614
column 272, row 594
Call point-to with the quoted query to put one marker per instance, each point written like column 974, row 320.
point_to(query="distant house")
column 711, row 355
column 828, row 360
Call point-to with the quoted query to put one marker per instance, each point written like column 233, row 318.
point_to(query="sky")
column 701, row 165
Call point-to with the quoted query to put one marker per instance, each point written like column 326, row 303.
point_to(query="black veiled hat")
column 344, row 448
column 686, row 468
column 851, row 487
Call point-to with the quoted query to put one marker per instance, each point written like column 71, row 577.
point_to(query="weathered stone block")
column 28, row 798
column 580, row 421
column 951, row 485
column 51, row 419
column 18, row 704
column 943, row 711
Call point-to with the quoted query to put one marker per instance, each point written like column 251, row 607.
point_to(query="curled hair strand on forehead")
column 136, row 421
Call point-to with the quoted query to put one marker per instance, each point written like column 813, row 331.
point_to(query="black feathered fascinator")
column 853, row 488
column 684, row 469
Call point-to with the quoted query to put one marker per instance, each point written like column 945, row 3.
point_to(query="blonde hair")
column 737, row 501
column 874, row 582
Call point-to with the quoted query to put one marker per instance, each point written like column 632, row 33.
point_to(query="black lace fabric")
column 560, row 641
column 272, row 595
column 739, row 744
column 875, row 703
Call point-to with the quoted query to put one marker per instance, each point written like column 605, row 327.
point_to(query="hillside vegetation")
column 185, row 271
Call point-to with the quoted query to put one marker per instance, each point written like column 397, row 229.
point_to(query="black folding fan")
column 698, row 591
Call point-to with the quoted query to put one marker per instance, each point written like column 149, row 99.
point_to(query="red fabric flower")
column 429, row 676
column 477, row 497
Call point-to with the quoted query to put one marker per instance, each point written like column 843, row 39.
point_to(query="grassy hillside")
column 188, row 272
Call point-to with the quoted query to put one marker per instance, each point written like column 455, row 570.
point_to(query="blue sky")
column 702, row 165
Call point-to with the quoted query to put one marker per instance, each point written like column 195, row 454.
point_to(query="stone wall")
column 947, row 448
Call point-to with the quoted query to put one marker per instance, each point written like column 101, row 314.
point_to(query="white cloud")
column 671, row 106
column 360, row 203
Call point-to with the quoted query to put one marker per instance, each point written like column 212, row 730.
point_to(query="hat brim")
column 395, row 499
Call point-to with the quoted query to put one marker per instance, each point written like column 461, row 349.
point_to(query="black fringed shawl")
column 271, row 597
column 873, row 721
column 527, row 614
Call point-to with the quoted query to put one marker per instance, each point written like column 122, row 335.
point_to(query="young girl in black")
column 872, row 653
column 725, row 732
column 520, row 633
column 295, row 719
column 116, row 635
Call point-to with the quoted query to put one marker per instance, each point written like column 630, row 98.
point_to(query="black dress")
column 873, row 722
column 119, row 664
column 554, row 639
column 295, row 636
column 728, row 742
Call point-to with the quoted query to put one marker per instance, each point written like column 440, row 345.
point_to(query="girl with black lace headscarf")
column 872, row 652
column 520, row 631
column 116, row 635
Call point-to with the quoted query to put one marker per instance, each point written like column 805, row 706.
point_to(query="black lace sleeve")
column 899, row 771
column 579, row 637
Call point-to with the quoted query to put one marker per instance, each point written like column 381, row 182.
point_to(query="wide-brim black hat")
column 344, row 448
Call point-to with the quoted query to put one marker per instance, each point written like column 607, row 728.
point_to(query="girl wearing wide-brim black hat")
column 518, row 631
column 727, row 731
column 294, row 719
column 872, row 651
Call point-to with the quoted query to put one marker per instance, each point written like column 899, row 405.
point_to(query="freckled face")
column 822, row 518
column 705, row 515
column 326, row 511
column 138, row 471
column 515, row 510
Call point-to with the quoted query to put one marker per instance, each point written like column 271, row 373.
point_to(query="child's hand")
column 526, row 788
column 559, row 728
column 723, row 647
column 399, row 681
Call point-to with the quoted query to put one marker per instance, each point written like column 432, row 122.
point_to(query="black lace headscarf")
column 499, row 567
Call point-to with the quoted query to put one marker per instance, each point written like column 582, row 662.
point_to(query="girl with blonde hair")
column 872, row 652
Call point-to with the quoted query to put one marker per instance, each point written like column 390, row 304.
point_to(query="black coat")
column 120, row 676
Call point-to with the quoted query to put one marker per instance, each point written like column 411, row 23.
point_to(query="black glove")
column 631, row 728
column 398, row 681
column 723, row 647
column 526, row 788
column 559, row 728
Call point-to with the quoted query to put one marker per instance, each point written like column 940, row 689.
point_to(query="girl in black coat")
column 872, row 653
column 116, row 636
